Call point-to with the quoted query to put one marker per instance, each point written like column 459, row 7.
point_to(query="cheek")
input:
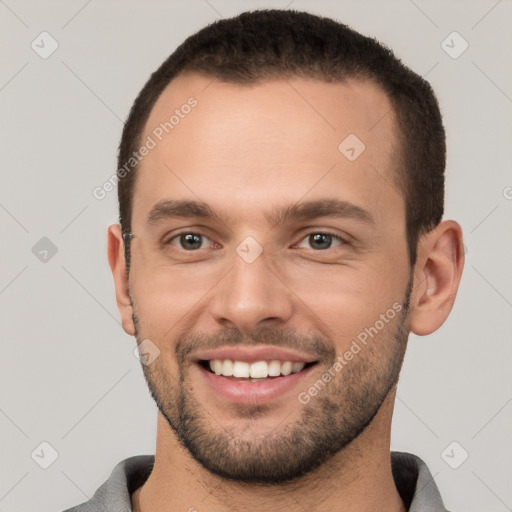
column 344, row 301
column 165, row 297
column 339, row 301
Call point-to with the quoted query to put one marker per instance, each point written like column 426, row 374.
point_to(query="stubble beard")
column 326, row 425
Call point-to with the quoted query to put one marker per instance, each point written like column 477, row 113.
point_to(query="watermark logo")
column 44, row 455
column 44, row 45
column 44, row 250
column 356, row 346
column 146, row 352
column 454, row 45
column 454, row 455
column 249, row 249
column 151, row 142
column 351, row 147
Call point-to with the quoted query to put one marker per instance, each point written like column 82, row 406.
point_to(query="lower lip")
column 252, row 393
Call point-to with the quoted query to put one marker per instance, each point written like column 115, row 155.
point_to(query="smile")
column 255, row 371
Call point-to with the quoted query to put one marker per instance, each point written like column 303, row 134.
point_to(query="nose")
column 251, row 294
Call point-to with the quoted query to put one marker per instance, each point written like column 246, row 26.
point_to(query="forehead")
column 329, row 108
column 274, row 140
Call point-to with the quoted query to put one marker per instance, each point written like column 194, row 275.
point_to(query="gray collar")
column 412, row 477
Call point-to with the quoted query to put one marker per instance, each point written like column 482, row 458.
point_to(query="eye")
column 322, row 241
column 189, row 241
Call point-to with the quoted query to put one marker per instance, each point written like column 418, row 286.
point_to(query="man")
column 281, row 184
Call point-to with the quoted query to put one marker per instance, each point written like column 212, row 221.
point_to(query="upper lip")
column 253, row 354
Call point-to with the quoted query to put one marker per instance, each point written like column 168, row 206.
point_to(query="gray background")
column 68, row 375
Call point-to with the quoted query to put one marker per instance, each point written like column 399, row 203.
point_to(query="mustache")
column 315, row 346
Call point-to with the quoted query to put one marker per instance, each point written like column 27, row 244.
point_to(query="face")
column 294, row 259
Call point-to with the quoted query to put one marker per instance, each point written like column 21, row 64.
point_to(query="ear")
column 118, row 266
column 437, row 276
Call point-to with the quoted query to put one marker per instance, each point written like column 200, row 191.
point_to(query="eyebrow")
column 333, row 208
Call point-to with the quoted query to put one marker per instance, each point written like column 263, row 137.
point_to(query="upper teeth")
column 257, row 370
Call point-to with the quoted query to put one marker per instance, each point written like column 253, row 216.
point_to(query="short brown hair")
column 264, row 44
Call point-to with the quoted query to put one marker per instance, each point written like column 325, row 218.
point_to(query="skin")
column 241, row 150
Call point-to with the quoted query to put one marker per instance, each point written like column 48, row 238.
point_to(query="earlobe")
column 116, row 259
column 437, row 276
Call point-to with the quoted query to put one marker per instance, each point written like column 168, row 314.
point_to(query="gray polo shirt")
column 412, row 478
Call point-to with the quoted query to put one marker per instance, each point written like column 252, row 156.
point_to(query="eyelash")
column 337, row 237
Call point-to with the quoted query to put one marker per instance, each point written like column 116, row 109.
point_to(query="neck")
column 358, row 479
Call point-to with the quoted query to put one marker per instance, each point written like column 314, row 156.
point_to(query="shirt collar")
column 412, row 478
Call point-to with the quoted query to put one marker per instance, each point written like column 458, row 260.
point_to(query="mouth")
column 253, row 382
column 258, row 371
